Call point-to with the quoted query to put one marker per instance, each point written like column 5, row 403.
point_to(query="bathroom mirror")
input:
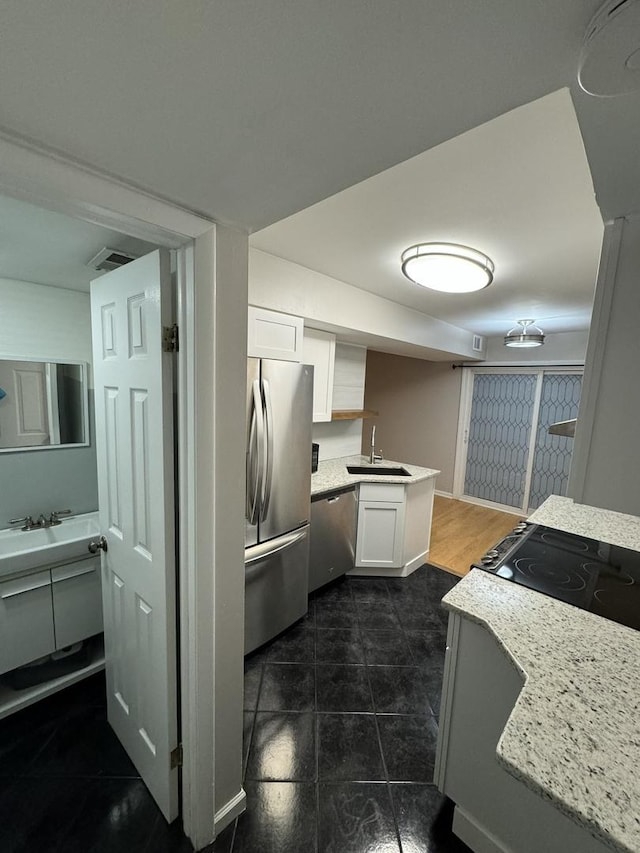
column 43, row 405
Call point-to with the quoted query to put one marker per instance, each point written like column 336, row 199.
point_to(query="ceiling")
column 45, row 247
column 249, row 112
column 518, row 188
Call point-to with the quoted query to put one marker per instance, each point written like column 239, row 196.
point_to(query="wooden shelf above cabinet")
column 352, row 414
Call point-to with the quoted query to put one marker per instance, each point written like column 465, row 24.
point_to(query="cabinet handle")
column 31, row 588
column 333, row 499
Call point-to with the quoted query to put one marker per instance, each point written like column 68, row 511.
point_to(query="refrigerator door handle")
column 255, row 460
column 258, row 553
column 268, row 450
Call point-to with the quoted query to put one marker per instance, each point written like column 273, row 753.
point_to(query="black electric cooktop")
column 589, row 574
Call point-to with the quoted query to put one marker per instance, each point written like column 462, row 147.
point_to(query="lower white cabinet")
column 26, row 620
column 394, row 527
column 380, row 536
column 494, row 811
column 77, row 601
column 48, row 610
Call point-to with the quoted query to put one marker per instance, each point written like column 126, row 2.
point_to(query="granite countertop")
column 574, row 734
column 616, row 528
column 332, row 474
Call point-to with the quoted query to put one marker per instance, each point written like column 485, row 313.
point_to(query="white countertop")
column 616, row 528
column 332, row 474
column 574, row 733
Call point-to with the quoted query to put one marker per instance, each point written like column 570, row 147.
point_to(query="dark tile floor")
column 67, row 786
column 341, row 721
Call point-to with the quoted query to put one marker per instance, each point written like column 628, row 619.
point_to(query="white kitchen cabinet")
column 274, row 335
column 26, row 620
column 77, row 601
column 379, row 541
column 319, row 349
column 495, row 812
column 394, row 527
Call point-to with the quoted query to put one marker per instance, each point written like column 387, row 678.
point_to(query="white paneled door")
column 134, row 440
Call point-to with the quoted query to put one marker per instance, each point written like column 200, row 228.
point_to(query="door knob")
column 98, row 544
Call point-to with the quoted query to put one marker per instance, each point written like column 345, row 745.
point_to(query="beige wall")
column 418, row 403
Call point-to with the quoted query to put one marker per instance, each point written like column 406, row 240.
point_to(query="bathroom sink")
column 382, row 470
column 21, row 550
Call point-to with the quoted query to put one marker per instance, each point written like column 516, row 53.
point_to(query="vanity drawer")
column 77, row 601
column 26, row 620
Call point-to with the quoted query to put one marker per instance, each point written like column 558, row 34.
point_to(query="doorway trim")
column 47, row 179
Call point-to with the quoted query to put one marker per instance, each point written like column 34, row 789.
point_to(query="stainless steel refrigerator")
column 279, row 416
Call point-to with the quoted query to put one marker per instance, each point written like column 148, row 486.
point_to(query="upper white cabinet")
column 349, row 376
column 274, row 335
column 319, row 349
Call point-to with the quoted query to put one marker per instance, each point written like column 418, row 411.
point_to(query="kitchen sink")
column 382, row 470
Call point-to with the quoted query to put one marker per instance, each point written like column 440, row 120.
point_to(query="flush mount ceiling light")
column 448, row 267
column 524, row 334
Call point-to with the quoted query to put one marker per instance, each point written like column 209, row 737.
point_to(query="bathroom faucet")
column 373, row 456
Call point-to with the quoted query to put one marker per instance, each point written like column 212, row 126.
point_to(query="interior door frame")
column 43, row 177
column 464, row 418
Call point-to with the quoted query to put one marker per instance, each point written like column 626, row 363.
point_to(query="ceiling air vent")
column 110, row 259
column 478, row 343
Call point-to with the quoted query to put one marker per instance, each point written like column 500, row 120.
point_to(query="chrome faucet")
column 373, row 456
column 42, row 521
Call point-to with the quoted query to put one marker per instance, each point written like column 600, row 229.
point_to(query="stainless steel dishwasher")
column 333, row 535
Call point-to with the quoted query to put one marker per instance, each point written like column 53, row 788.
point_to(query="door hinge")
column 170, row 340
column 176, row 757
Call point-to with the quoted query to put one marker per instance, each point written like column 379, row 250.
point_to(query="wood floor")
column 462, row 532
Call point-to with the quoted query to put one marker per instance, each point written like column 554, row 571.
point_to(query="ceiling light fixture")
column 524, row 334
column 448, row 267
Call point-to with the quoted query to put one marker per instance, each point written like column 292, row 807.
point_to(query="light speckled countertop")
column 332, row 474
column 574, row 733
column 613, row 527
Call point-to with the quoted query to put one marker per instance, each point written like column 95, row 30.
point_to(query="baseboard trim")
column 474, row 834
column 442, row 494
column 490, row 505
column 230, row 811
column 384, row 572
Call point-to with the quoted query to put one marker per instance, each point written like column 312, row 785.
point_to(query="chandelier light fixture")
column 524, row 334
column 448, row 267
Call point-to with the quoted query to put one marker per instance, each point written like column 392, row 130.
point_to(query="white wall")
column 44, row 322
column 559, row 348
column 328, row 303
column 606, row 458
column 343, row 438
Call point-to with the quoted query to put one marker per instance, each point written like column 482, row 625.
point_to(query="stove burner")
column 586, row 573
column 549, row 575
column 559, row 540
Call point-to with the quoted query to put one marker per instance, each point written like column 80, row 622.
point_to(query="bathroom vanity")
column 50, row 599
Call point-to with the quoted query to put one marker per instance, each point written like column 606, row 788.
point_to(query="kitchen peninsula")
column 394, row 512
column 539, row 744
